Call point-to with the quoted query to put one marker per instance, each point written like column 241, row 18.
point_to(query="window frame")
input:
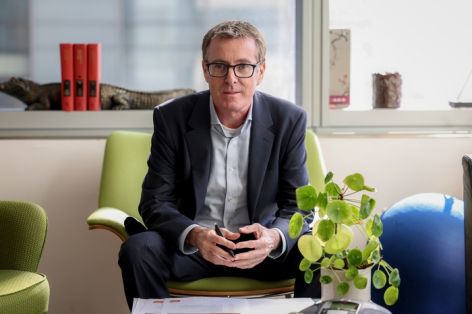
column 74, row 124
column 315, row 91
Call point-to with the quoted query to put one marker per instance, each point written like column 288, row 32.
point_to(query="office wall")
column 63, row 176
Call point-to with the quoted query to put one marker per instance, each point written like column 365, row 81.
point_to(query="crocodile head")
column 18, row 87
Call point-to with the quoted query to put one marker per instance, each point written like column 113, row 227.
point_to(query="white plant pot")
column 328, row 291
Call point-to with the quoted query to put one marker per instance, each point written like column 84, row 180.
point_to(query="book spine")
column 93, row 76
column 80, row 77
column 67, row 77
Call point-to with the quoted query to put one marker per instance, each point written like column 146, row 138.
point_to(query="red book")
column 80, row 77
column 67, row 77
column 93, row 76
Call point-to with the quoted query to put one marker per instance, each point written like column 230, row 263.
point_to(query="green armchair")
column 124, row 168
column 23, row 228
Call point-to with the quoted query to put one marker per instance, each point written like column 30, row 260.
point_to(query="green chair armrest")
column 109, row 218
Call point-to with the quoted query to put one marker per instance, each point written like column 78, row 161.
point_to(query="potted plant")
column 335, row 215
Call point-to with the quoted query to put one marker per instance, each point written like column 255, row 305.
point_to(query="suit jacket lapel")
column 260, row 149
column 199, row 147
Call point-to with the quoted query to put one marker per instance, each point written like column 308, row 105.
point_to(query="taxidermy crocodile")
column 48, row 96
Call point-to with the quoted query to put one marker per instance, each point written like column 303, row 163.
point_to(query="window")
column 14, row 44
column 424, row 41
column 163, row 41
column 147, row 45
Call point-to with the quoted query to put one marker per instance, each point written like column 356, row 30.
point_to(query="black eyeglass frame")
column 227, row 66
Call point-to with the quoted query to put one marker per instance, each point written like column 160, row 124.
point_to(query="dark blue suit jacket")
column 175, row 186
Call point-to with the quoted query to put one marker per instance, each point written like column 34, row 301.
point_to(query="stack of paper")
column 207, row 305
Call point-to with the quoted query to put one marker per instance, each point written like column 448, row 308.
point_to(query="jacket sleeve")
column 161, row 188
column 292, row 174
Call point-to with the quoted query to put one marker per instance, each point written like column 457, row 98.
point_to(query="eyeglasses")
column 242, row 70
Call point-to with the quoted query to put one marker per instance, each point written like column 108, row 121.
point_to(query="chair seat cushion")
column 23, row 292
column 231, row 286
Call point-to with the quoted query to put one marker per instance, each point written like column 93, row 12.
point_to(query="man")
column 230, row 156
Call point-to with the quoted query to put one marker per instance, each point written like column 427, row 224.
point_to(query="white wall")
column 63, row 176
column 400, row 166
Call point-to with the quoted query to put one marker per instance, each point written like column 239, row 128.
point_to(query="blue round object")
column 424, row 238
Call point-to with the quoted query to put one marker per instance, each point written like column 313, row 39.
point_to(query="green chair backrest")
column 124, row 168
column 125, row 165
column 23, row 229
column 315, row 161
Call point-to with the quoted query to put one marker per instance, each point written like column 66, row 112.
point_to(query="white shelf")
column 75, row 124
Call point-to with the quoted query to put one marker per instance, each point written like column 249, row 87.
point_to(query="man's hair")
column 234, row 30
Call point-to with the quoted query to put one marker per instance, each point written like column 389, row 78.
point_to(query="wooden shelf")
column 75, row 124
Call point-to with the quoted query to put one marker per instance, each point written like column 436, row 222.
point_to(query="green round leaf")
column 295, row 225
column 391, row 295
column 322, row 202
column 355, row 215
column 326, row 279
column 334, row 245
column 371, row 246
column 354, row 257
column 377, row 226
column 360, row 282
column 339, row 241
column 394, row 277
column 310, row 247
column 351, row 273
column 355, row 182
column 308, row 276
column 342, row 288
column 306, row 197
column 379, row 279
column 333, row 190
column 304, row 264
column 375, row 256
column 338, row 263
column 368, row 228
column 346, row 235
column 338, row 211
column 367, row 205
column 325, row 262
column 328, row 177
column 325, row 229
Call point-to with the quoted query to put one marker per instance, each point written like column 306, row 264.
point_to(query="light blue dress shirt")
column 226, row 197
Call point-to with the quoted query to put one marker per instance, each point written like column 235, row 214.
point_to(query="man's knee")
column 144, row 246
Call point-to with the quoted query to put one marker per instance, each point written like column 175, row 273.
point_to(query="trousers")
column 147, row 262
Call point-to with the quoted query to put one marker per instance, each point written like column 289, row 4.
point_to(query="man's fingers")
column 247, row 263
column 256, row 229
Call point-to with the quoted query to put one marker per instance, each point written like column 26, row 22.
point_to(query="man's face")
column 231, row 93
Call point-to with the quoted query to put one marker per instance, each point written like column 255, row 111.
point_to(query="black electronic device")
column 243, row 237
column 344, row 307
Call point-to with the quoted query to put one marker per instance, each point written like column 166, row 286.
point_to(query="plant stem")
column 311, row 214
column 349, row 194
column 386, row 266
column 335, row 273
